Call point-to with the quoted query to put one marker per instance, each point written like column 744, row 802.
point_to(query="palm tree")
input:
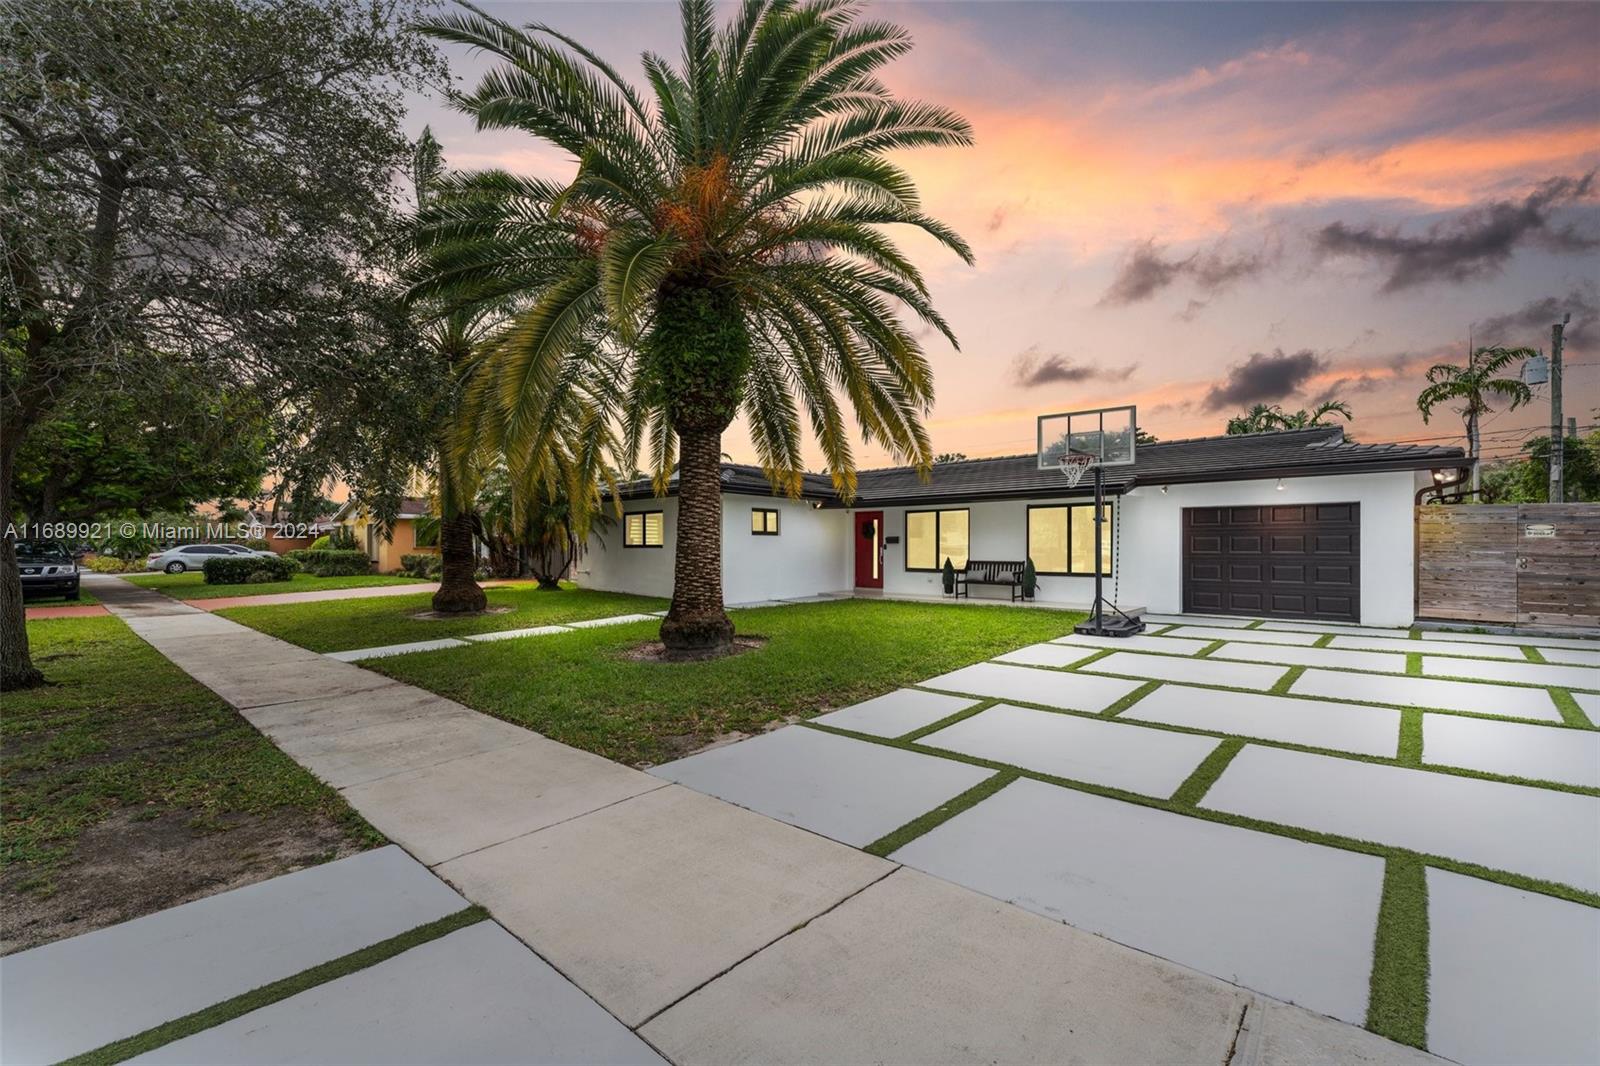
column 1265, row 418
column 717, row 252
column 452, row 333
column 1473, row 385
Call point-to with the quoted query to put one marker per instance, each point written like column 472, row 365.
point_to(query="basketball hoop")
column 1073, row 466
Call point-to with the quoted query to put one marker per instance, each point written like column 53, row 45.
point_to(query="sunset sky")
column 1195, row 207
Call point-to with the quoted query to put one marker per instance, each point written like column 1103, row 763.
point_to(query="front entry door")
column 869, row 549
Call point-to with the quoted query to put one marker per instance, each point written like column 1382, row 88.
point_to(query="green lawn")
column 130, row 787
column 192, row 585
column 581, row 688
column 339, row 625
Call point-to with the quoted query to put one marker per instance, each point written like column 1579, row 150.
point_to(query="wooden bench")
column 990, row 572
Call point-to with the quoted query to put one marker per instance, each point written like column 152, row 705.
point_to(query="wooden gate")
column 1531, row 563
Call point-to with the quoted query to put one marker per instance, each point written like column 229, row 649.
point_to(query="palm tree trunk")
column 458, row 591
column 697, row 626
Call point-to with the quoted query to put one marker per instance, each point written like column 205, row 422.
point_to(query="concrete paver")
column 646, row 900
column 1137, row 642
column 1589, row 705
column 1427, row 647
column 1582, row 643
column 1076, row 692
column 845, row 789
column 1429, row 692
column 1537, row 752
column 1290, row 919
column 1335, row 628
column 1197, row 671
column 1523, row 673
column 615, row 620
column 358, row 654
column 1379, row 661
column 1151, row 761
column 1224, row 621
column 1314, row 723
column 515, row 634
column 75, row 995
column 474, row 996
column 1511, row 974
column 1048, row 655
column 451, row 808
column 1255, row 636
column 1518, row 828
column 896, row 713
column 1570, row 656
column 918, row 970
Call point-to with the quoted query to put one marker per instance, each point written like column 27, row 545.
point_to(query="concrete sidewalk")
column 715, row 933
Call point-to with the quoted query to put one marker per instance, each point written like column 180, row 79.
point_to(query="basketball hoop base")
column 1100, row 624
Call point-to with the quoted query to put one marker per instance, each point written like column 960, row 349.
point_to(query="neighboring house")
column 385, row 551
column 1294, row 524
column 263, row 520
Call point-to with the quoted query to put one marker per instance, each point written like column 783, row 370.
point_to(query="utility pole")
column 1557, row 445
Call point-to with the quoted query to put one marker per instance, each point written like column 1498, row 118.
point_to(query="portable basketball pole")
column 1097, row 624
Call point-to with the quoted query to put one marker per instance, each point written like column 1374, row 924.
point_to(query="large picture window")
column 643, row 529
column 1061, row 539
column 934, row 536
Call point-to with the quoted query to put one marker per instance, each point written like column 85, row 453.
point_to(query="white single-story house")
column 1293, row 524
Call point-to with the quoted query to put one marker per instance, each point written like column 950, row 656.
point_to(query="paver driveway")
column 1312, row 811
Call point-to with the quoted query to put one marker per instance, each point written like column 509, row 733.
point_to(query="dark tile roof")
column 1287, row 453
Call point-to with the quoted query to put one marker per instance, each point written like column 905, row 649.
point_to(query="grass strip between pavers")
column 899, row 838
column 1410, row 751
column 1214, row 646
column 1282, row 685
column 1571, row 713
column 268, row 994
column 1197, row 784
column 1397, row 1006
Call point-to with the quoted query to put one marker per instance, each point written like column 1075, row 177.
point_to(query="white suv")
column 194, row 556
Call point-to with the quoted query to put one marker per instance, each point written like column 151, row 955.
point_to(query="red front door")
column 869, row 549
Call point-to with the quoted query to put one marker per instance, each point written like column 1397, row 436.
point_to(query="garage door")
column 1296, row 561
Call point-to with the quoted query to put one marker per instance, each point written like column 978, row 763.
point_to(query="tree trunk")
column 1472, row 453
column 458, row 590
column 16, row 664
column 697, row 626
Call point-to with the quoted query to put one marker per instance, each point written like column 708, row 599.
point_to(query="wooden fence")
column 1531, row 563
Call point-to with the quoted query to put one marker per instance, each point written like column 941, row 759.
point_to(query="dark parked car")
column 47, row 570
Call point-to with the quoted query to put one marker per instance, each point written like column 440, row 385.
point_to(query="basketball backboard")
column 1104, row 434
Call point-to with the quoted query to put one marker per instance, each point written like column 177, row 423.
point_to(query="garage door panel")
column 1289, row 560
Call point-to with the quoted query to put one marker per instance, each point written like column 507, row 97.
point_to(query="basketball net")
column 1074, row 466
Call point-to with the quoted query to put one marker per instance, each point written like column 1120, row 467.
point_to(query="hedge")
column 243, row 569
column 329, row 563
column 421, row 565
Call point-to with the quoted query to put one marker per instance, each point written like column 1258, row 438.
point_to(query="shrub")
column 258, row 544
column 110, row 564
column 331, row 563
column 240, row 569
column 260, row 577
column 320, row 544
column 342, row 539
column 421, row 564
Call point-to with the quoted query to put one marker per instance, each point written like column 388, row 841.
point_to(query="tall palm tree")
column 1317, row 416
column 1474, row 385
column 452, row 333
column 717, row 252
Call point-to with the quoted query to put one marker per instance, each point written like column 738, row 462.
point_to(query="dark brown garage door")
column 1296, row 561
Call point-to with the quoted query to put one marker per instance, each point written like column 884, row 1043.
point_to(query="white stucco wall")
column 802, row 560
column 815, row 551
